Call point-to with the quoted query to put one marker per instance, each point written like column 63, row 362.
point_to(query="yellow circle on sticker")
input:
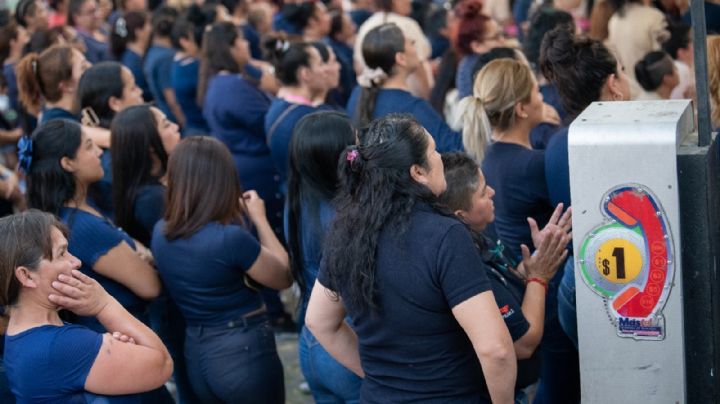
column 618, row 260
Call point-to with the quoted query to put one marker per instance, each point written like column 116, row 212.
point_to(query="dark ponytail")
column 316, row 144
column 379, row 48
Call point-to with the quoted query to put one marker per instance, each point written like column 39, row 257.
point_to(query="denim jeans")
column 567, row 313
column 329, row 381
column 235, row 363
column 560, row 372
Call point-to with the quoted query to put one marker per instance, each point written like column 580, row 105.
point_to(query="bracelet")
column 541, row 281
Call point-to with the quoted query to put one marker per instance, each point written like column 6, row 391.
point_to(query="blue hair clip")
column 25, row 153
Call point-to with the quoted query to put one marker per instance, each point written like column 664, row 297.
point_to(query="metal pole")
column 697, row 13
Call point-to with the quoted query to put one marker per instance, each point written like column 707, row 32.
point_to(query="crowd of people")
column 166, row 168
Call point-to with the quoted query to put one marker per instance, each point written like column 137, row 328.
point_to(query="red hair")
column 470, row 26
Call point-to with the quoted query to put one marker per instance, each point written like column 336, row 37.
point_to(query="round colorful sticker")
column 628, row 261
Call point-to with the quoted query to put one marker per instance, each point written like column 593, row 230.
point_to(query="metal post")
column 697, row 13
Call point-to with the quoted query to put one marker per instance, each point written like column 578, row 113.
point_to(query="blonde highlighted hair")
column 498, row 87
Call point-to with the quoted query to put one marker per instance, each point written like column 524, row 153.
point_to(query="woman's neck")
column 66, row 102
column 79, row 200
column 137, row 47
column 14, row 56
column 664, row 92
column 311, row 36
column 160, row 41
column 297, row 94
column 396, row 81
column 32, row 311
column 518, row 134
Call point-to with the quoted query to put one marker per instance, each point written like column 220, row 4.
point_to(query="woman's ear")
column 520, row 110
column 25, row 277
column 115, row 103
column 418, row 174
column 67, row 164
column 400, row 59
column 613, row 88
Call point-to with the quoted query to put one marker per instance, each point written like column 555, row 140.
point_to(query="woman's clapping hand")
column 548, row 256
column 558, row 218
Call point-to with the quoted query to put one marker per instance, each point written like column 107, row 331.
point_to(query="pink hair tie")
column 352, row 155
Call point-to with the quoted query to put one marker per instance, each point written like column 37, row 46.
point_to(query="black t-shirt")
column 509, row 292
column 413, row 350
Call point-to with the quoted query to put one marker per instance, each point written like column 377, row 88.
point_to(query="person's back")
column 400, row 101
column 184, row 78
column 157, row 66
column 235, row 110
column 209, row 291
column 280, row 121
column 413, row 349
column 518, row 176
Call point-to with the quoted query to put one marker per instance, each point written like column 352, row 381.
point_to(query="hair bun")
column 557, row 50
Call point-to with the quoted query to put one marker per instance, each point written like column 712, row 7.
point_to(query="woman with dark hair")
column 584, row 71
column 142, row 140
column 13, row 39
column 542, row 22
column 211, row 265
column 342, row 33
column 61, row 162
column 318, row 140
column 104, row 90
column 390, row 58
column 519, row 288
column 52, row 77
column 332, row 73
column 186, row 39
column 303, row 76
column 129, row 40
column 157, row 64
column 420, row 81
column 31, row 15
column 474, row 34
column 84, row 17
column 235, row 110
column 310, row 18
column 657, row 75
column 47, row 359
column 424, row 318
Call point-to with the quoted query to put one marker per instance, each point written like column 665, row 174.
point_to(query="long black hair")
column 317, row 142
column 216, row 55
column 49, row 186
column 96, row 86
column 134, row 137
column 379, row 48
column 376, row 191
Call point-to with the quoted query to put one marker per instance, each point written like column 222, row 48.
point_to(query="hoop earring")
column 618, row 97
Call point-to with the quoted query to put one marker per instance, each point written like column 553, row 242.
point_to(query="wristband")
column 541, row 281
